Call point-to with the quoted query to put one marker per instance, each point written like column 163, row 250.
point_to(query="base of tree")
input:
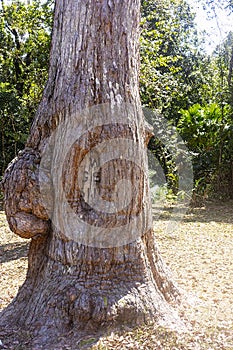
column 59, row 299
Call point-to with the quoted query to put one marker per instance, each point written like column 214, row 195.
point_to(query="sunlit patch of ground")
column 200, row 255
column 13, row 262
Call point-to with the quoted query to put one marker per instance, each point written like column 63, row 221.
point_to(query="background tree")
column 71, row 287
column 173, row 69
column 172, row 64
column 24, row 50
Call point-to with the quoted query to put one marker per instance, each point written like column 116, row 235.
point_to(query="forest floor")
column 200, row 255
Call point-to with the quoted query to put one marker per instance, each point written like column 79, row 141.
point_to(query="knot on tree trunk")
column 24, row 210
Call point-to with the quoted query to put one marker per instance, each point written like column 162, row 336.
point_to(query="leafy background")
column 178, row 79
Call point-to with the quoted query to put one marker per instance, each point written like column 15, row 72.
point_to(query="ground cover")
column 200, row 255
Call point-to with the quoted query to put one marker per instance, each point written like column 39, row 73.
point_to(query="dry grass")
column 200, row 254
column 13, row 259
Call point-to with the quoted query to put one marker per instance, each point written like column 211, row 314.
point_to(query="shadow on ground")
column 205, row 214
column 13, row 251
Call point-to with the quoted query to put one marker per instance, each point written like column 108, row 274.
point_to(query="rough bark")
column 71, row 286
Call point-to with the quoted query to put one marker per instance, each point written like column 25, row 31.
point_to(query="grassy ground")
column 200, row 255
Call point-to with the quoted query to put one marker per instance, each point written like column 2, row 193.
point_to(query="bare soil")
column 200, row 255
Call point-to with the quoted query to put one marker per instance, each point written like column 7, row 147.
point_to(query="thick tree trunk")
column 73, row 284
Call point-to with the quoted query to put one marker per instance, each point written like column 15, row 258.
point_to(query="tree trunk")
column 78, row 281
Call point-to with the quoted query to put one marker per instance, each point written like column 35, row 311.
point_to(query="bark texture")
column 71, row 286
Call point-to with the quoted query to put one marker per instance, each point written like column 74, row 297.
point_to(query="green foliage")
column 222, row 68
column 208, row 131
column 24, row 50
column 171, row 63
column 191, row 89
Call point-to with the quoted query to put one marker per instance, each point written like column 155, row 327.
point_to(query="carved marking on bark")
column 110, row 175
